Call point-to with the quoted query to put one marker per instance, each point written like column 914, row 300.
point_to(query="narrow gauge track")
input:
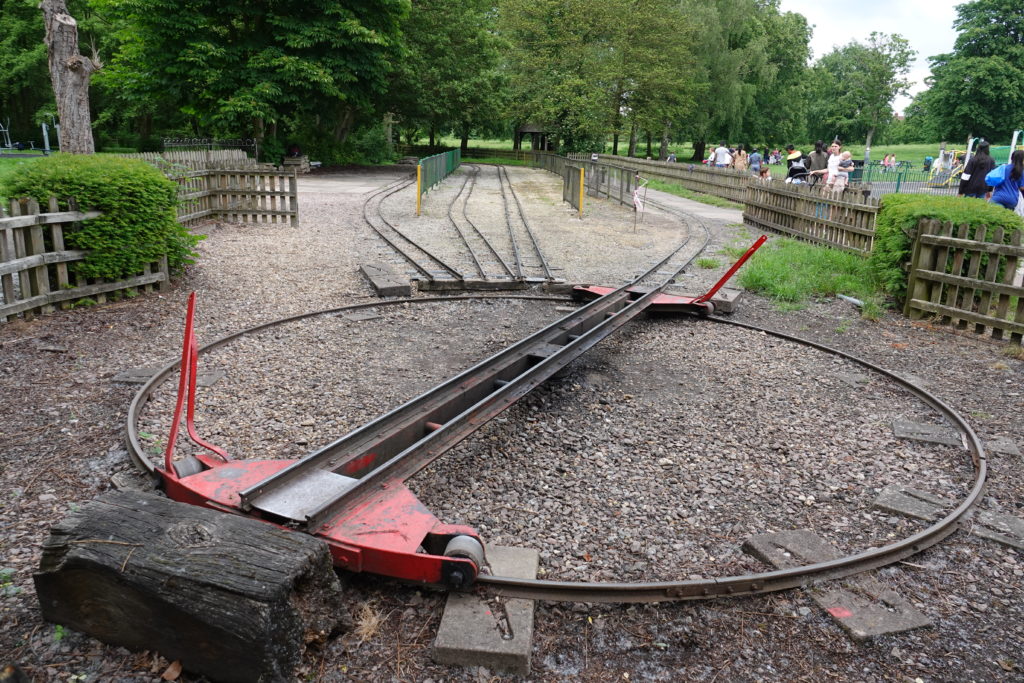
column 415, row 453
column 528, row 259
column 489, row 263
column 426, row 264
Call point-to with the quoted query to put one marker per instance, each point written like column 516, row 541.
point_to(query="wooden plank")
column 985, row 247
column 991, row 272
column 921, row 259
column 986, row 320
column 954, row 293
column 82, row 290
column 963, row 281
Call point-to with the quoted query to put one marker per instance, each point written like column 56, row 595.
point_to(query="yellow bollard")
column 581, row 192
column 419, row 184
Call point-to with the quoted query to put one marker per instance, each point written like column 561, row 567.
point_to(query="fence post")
column 419, row 186
column 581, row 191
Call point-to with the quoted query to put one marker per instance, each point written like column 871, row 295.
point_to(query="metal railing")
column 432, row 170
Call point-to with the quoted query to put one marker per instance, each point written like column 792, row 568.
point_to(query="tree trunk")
column 232, row 598
column 698, row 150
column 649, row 152
column 663, row 149
column 867, row 146
column 432, row 135
column 70, row 72
column 632, row 139
column 615, row 143
column 464, row 142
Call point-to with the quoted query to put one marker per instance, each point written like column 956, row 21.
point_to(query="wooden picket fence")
column 227, row 185
column 34, row 273
column 726, row 183
column 968, row 279
column 843, row 221
column 237, row 195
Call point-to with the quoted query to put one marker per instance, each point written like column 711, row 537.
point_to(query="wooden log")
column 232, row 598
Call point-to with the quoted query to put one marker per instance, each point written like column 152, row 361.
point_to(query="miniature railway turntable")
column 351, row 493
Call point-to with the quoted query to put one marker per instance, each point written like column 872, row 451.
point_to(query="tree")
column 854, row 87
column 242, row 68
column 70, row 72
column 23, row 67
column 978, row 89
column 451, row 78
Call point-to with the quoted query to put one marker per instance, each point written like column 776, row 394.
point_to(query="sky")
column 926, row 24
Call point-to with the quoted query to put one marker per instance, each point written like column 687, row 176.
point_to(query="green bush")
column 138, row 224
column 897, row 223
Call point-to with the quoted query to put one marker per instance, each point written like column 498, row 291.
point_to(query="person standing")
column 972, row 180
column 1007, row 180
column 818, row 159
column 722, row 156
column 755, row 161
column 740, row 161
column 792, row 155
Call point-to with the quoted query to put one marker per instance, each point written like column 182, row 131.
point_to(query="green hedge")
column 897, row 223
column 138, row 225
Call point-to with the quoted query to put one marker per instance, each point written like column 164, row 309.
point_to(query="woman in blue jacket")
column 1007, row 180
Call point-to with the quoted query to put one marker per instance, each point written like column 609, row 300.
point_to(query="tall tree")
column 451, row 79
column 855, row 85
column 70, row 72
column 241, row 68
column 978, row 89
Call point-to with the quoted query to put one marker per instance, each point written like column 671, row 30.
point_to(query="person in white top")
column 722, row 156
column 832, row 168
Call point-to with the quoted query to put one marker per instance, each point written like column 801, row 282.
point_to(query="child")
column 764, row 174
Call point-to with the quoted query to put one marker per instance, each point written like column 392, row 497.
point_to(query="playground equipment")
column 947, row 167
column 5, row 131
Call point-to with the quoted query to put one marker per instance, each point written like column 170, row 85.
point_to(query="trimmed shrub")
column 897, row 225
column 138, row 225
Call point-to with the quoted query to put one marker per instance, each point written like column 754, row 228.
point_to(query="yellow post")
column 581, row 192
column 419, row 183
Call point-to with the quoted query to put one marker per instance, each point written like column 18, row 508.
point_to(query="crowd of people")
column 831, row 168
column 984, row 179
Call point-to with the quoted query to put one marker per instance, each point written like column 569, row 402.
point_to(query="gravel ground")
column 653, row 457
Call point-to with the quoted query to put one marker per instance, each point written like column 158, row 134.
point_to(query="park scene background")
column 337, row 80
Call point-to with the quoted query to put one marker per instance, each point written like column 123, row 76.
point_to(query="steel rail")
column 137, row 452
column 526, row 224
column 394, row 446
column 383, row 194
column 511, row 231
column 458, row 230
column 486, row 241
column 782, row 579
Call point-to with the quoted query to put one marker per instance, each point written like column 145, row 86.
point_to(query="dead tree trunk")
column 70, row 72
column 230, row 597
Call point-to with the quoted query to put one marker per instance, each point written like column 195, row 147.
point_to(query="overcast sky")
column 926, row 24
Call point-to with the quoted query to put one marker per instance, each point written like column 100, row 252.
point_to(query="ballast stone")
column 469, row 634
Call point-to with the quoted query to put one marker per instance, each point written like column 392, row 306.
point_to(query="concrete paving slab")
column 385, row 281
column 360, row 316
column 861, row 604
column 854, row 379
column 1001, row 445
column 489, row 633
column 918, row 431
column 1005, row 529
column 870, row 610
column 911, row 502
column 204, row 378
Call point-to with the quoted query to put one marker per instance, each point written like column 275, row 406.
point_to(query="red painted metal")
column 386, row 529
column 389, row 534
column 732, row 271
column 189, row 363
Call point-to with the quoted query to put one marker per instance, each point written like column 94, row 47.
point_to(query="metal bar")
column 736, row 266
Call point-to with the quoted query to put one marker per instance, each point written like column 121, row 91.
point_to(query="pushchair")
column 798, row 174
